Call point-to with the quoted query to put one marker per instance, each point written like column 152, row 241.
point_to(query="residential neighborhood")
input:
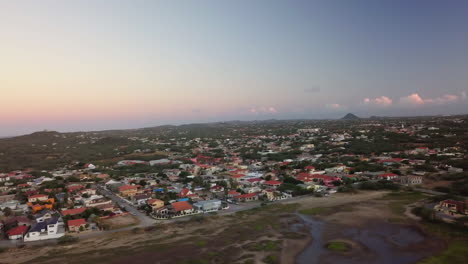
column 226, row 174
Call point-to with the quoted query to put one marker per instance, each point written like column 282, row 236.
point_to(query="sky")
column 94, row 65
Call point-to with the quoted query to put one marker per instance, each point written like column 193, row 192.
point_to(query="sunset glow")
column 88, row 65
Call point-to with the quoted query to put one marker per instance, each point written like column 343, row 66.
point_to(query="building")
column 37, row 198
column 208, row 205
column 387, row 176
column 49, row 229
column 453, row 207
column 181, row 208
column 43, row 215
column 155, row 203
column 272, row 184
column 17, row 232
column 410, row 180
column 74, row 211
column 246, row 197
column 76, row 224
column 128, row 190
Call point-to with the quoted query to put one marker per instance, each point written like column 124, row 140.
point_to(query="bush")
column 380, row 185
column 67, row 239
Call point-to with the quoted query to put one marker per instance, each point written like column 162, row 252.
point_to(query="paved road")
column 144, row 219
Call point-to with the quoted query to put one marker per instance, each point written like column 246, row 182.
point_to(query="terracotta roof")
column 152, row 201
column 247, row 195
column 73, row 211
column 272, row 183
column 76, row 222
column 19, row 230
column 127, row 187
column 181, row 206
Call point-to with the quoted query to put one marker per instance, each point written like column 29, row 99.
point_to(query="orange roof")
column 76, row 222
column 181, row 206
column 127, row 187
column 152, row 201
column 73, row 211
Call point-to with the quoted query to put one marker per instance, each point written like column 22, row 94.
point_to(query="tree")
column 7, row 211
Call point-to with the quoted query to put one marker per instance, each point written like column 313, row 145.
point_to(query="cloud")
column 412, row 99
column 263, row 110
column 333, row 106
column 463, row 95
column 416, row 99
column 380, row 101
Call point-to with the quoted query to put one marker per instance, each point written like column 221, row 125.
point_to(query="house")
column 38, row 198
column 208, row 205
column 185, row 192
column 246, row 197
column 273, row 195
column 410, row 180
column 17, row 221
column 128, row 190
column 217, row 189
column 76, row 224
column 75, row 188
column 272, row 184
column 74, row 211
column 95, row 200
column 453, row 207
column 181, row 208
column 140, row 199
column 155, row 203
column 387, row 176
column 232, row 194
column 17, row 232
column 43, row 215
column 89, row 166
column 49, row 229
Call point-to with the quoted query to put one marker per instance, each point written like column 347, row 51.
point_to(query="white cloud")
column 333, row 106
column 263, row 110
column 380, row 101
column 416, row 99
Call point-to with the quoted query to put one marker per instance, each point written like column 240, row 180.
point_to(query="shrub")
column 67, row 239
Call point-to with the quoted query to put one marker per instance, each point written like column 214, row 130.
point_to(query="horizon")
column 230, row 121
column 91, row 66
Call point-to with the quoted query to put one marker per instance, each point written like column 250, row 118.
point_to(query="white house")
column 49, row 229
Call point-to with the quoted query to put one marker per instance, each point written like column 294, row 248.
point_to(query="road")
column 144, row 219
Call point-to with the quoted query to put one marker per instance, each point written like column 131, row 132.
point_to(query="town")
column 161, row 178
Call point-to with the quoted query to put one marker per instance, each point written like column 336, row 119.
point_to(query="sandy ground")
column 120, row 221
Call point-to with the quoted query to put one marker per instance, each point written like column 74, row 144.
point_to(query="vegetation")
column 67, row 239
column 338, row 246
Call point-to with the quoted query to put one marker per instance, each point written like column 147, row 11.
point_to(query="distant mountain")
column 350, row 116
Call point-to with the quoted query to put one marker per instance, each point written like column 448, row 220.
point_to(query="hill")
column 350, row 116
